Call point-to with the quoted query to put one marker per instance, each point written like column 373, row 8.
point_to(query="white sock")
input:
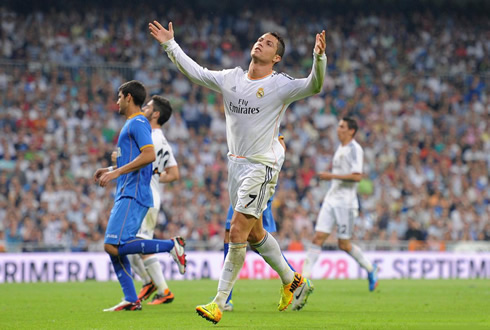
column 229, row 273
column 357, row 254
column 155, row 271
column 271, row 252
column 139, row 268
column 312, row 255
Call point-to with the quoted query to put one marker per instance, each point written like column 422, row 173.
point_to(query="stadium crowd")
column 416, row 82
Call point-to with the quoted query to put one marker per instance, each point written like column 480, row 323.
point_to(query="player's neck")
column 346, row 142
column 132, row 109
column 257, row 70
column 154, row 125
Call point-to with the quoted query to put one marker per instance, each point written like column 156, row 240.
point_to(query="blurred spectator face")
column 265, row 49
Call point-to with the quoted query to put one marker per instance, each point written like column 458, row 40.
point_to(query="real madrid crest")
column 260, row 93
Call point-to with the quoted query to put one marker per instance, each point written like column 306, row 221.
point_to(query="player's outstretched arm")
column 160, row 33
column 297, row 89
column 186, row 65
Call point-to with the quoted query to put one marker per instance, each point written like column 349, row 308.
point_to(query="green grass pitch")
column 335, row 304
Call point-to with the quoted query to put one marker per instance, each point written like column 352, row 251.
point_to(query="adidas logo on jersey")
column 233, row 89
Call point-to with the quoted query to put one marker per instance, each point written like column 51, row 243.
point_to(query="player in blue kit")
column 135, row 153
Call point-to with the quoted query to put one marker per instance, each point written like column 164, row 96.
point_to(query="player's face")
column 122, row 103
column 148, row 110
column 343, row 131
column 265, row 49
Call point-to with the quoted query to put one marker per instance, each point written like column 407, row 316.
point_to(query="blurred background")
column 414, row 74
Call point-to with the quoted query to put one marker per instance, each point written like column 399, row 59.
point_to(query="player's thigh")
column 250, row 187
column 149, row 223
column 124, row 221
column 345, row 222
column 241, row 226
column 326, row 219
column 257, row 233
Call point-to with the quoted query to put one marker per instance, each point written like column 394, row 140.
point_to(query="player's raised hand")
column 160, row 33
column 320, row 43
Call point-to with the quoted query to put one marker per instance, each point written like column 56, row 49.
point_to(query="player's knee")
column 319, row 238
column 344, row 246
column 236, row 237
column 317, row 241
column 255, row 237
column 111, row 249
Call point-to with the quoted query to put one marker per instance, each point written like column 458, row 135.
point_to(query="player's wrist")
column 167, row 44
column 318, row 55
column 110, row 169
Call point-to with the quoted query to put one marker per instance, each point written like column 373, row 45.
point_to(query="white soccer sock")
column 312, row 255
column 139, row 268
column 155, row 270
column 271, row 252
column 229, row 273
column 357, row 254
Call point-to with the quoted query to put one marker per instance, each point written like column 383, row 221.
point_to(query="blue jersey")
column 134, row 137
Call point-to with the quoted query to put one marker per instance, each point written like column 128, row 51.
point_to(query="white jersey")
column 253, row 108
column 164, row 159
column 347, row 159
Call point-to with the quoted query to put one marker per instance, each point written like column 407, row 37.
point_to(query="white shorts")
column 330, row 216
column 250, row 185
column 147, row 228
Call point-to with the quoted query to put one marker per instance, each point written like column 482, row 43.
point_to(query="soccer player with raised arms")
column 340, row 205
column 135, row 153
column 255, row 101
column 269, row 225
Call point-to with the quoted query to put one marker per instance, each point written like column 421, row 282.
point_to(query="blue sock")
column 122, row 269
column 225, row 250
column 146, row 246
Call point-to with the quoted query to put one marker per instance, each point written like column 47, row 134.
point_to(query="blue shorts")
column 125, row 221
column 267, row 219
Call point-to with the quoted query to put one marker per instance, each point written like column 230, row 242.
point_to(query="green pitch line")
column 335, row 304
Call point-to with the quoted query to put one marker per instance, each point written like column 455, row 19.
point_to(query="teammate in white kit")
column 340, row 206
column 255, row 101
column 165, row 170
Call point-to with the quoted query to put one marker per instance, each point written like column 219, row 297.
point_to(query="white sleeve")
column 357, row 159
column 296, row 89
column 193, row 71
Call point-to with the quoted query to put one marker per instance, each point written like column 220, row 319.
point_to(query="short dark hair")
column 351, row 124
column 162, row 105
column 136, row 89
column 280, row 45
